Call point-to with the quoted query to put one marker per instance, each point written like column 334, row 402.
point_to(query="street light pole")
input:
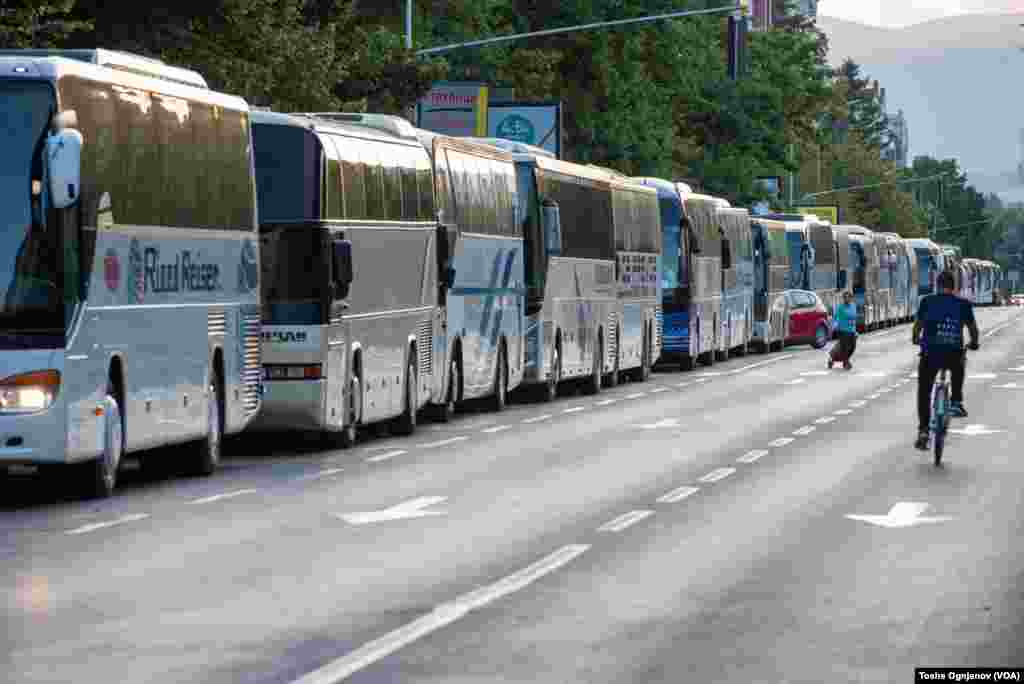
column 408, row 24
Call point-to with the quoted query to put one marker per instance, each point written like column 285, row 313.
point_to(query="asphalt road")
column 691, row 528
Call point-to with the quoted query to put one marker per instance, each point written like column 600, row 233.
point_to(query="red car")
column 809, row 321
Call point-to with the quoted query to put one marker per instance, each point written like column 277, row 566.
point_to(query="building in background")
column 808, row 8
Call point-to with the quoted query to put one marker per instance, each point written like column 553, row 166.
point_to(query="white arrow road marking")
column 663, row 423
column 385, row 456
column 442, row 616
column 825, row 419
column 109, row 523
column 903, row 514
column 798, row 381
column 1009, row 385
column 717, row 474
column 407, row 509
column 443, row 442
column 974, row 430
column 623, row 521
column 752, row 456
column 781, row 442
column 220, row 497
column 678, row 494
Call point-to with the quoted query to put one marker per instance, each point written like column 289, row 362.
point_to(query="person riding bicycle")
column 938, row 328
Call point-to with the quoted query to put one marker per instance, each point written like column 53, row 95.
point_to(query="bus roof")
column 315, row 123
column 122, row 61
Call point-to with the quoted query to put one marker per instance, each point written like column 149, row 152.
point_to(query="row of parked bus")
column 177, row 266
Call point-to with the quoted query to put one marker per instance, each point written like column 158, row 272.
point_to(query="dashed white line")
column 575, row 409
column 843, row 412
column 805, row 430
column 717, row 474
column 442, row 616
column 683, row 384
column 753, row 456
column 625, row 520
column 134, row 517
column 781, row 442
column 221, row 497
column 659, row 390
column 385, row 456
column 761, row 363
column 859, row 403
column 443, row 442
column 496, row 428
column 701, row 380
column 678, row 494
column 326, row 472
column 537, row 419
column 825, row 419
column 798, row 381
column 635, row 396
column 873, row 396
column 606, row 402
column 996, row 329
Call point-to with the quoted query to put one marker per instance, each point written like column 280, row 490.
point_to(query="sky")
column 897, row 13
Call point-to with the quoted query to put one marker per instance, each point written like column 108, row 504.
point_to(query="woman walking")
column 846, row 324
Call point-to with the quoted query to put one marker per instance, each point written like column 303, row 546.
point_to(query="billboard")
column 454, row 108
column 538, row 124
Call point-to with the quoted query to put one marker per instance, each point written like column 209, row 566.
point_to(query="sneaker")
column 847, row 365
column 957, row 410
column 922, row 441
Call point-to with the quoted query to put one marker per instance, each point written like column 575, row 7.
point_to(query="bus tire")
column 350, row 433
column 405, row 424
column 446, row 411
column 593, row 385
column 686, row 363
column 102, row 471
column 551, row 386
column 500, row 397
column 207, row 458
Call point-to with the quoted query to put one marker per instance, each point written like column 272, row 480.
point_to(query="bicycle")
column 939, row 423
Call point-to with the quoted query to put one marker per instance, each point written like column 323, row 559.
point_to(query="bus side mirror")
column 552, row 228
column 341, row 253
column 64, row 163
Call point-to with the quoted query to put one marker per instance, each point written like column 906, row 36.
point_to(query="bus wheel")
column 446, row 411
column 103, row 470
column 208, row 458
column 551, row 387
column 349, row 433
column 500, row 398
column 593, row 385
column 406, row 423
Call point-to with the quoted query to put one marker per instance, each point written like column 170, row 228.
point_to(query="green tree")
column 34, row 24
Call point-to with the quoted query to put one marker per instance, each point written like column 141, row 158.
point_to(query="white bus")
column 349, row 273
column 129, row 280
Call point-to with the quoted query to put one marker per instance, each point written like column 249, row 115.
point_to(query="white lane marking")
column 814, row 373
column 326, row 472
column 625, row 520
column 134, row 517
column 825, row 419
column 872, row 374
column 658, row 390
column 781, row 442
column 996, row 329
column 1018, row 369
column 442, row 616
column 413, row 508
column 843, row 412
column 1009, row 385
column 537, row 419
column 678, row 494
column 496, row 428
column 635, row 396
column 858, row 403
column 885, row 390
column 606, row 402
column 709, row 374
column 752, row 456
column 221, row 497
column 443, row 442
column 700, row 380
column 575, row 409
column 873, row 396
column 981, row 376
column 798, row 381
column 717, row 474
column 761, row 363
column 805, row 430
column 683, row 384
column 385, row 456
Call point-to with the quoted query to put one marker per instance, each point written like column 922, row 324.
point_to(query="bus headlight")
column 29, row 392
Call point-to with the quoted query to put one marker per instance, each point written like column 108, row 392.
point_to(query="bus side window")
column 410, row 188
column 376, row 208
column 353, row 173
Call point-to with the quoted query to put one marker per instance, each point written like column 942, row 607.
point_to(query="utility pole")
column 408, row 24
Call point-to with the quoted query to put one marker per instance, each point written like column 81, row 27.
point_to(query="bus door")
column 762, row 264
column 339, row 253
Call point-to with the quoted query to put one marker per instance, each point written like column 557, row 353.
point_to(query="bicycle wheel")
column 941, row 423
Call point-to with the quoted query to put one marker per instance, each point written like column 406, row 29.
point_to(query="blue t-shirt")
column 846, row 318
column 943, row 317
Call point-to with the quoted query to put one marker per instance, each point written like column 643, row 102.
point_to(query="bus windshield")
column 294, row 274
column 31, row 294
column 672, row 247
column 287, row 161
